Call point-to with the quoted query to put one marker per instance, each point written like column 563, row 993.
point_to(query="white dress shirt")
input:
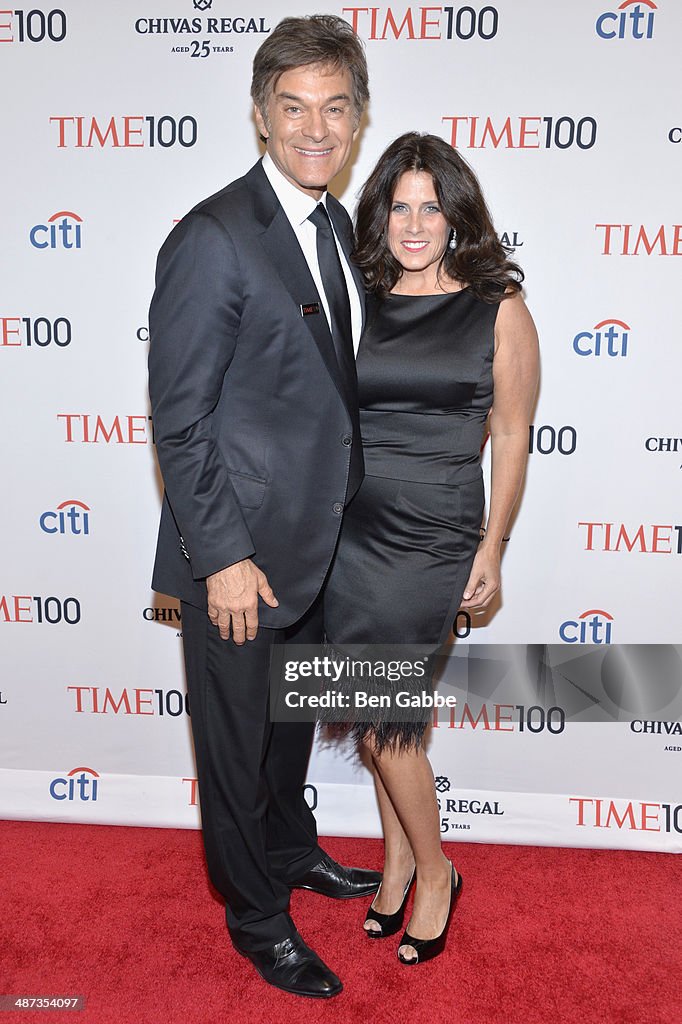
column 298, row 206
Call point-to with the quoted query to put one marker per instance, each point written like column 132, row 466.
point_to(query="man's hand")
column 233, row 599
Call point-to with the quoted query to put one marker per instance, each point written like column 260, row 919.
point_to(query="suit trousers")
column 259, row 833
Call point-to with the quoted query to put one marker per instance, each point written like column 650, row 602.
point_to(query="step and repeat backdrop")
column 116, row 119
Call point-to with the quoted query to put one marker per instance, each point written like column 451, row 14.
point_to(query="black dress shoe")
column 296, row 968
column 341, row 883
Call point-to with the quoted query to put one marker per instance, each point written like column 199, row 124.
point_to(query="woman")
column 447, row 344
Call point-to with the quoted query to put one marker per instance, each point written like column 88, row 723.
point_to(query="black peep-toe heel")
column 390, row 923
column 426, row 949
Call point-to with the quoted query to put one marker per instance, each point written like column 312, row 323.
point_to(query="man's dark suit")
column 254, row 426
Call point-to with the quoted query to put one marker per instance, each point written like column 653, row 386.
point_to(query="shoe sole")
column 304, row 995
column 373, row 933
column 291, row 991
column 350, row 896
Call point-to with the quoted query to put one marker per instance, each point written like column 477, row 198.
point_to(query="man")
column 253, row 391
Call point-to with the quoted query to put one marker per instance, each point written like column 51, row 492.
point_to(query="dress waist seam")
column 469, row 479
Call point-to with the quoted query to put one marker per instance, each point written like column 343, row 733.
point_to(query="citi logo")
column 128, row 131
column 607, row 338
column 640, row 240
column 80, row 784
column 592, row 627
column 521, row 132
column 389, row 23
column 62, row 231
column 634, row 19
column 644, row 538
column 70, row 517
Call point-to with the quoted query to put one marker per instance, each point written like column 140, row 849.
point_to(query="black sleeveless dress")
column 409, row 536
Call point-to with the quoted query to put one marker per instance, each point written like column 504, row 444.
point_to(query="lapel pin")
column 309, row 308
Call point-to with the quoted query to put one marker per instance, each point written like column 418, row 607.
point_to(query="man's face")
column 310, row 125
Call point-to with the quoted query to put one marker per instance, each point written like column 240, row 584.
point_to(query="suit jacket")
column 252, row 420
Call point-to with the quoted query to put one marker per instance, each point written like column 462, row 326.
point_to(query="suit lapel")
column 281, row 245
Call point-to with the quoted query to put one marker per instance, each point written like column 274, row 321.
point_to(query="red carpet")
column 123, row 916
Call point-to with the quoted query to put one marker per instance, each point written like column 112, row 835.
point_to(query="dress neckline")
column 425, row 295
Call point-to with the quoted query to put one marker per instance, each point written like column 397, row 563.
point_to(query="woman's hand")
column 484, row 581
column 515, row 376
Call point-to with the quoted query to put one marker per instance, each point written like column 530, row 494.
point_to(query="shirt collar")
column 296, row 204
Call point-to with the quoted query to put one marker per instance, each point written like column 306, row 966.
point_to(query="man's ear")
column 260, row 123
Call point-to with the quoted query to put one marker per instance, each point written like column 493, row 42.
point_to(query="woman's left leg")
column 408, row 779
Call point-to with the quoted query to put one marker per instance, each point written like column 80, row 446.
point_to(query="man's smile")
column 313, row 152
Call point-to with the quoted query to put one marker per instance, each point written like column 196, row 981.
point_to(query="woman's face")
column 417, row 230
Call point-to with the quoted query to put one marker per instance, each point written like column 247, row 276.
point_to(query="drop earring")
column 452, row 244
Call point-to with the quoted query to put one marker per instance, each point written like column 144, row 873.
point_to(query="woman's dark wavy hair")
column 480, row 260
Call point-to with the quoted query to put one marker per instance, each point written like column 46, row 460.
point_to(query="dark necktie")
column 334, row 283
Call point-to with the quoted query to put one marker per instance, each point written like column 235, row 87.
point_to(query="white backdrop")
column 116, row 119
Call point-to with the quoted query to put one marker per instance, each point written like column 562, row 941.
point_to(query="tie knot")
column 320, row 218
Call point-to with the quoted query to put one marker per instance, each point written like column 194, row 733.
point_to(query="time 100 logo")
column 33, row 26
column 546, row 439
